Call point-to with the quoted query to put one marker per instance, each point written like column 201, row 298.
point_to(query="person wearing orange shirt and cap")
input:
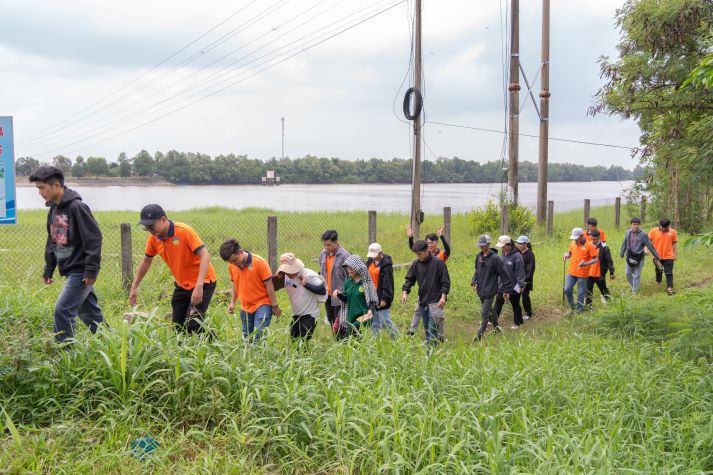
column 582, row 254
column 665, row 242
column 186, row 256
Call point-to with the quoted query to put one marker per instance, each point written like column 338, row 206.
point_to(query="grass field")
column 626, row 389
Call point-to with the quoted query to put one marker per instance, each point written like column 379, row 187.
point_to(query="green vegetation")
column 664, row 45
column 197, row 168
column 626, row 389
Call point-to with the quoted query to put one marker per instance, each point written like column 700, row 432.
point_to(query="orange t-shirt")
column 374, row 271
column 249, row 282
column 602, row 236
column 179, row 251
column 595, row 270
column 663, row 242
column 442, row 256
column 581, row 253
column 330, row 264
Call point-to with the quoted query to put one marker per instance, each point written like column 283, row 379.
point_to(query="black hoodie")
column 432, row 278
column 74, row 240
column 385, row 286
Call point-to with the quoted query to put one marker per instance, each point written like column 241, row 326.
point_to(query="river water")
column 460, row 196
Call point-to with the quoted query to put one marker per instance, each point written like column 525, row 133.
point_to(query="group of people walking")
column 357, row 294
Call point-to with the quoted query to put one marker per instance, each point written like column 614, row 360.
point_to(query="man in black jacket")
column 488, row 271
column 431, row 274
column 381, row 269
column 74, row 243
column 599, row 270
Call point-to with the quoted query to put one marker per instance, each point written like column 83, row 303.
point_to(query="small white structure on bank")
column 270, row 179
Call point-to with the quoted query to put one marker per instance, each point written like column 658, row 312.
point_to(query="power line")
column 159, row 64
column 300, row 51
column 169, row 101
column 582, row 142
column 61, row 134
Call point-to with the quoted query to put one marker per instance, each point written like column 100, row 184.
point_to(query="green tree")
column 63, row 163
column 124, row 165
column 26, row 165
column 144, row 164
column 96, row 166
column 79, row 169
column 662, row 42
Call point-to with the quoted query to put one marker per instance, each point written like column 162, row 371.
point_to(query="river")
column 459, row 196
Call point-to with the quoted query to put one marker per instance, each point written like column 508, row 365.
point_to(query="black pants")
column 603, row 289
column 516, row 309
column 332, row 312
column 183, row 310
column 526, row 302
column 668, row 270
column 302, row 326
column 486, row 315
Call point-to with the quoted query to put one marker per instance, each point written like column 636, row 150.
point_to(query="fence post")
column 587, row 206
column 127, row 259
column 550, row 216
column 504, row 219
column 272, row 242
column 617, row 212
column 643, row 209
column 447, row 223
column 372, row 226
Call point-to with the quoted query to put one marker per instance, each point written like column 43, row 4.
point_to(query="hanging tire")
column 418, row 105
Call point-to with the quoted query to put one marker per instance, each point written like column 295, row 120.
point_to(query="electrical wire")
column 293, row 51
column 300, row 50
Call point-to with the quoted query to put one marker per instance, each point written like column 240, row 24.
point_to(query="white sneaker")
column 604, row 300
column 525, row 317
column 515, row 327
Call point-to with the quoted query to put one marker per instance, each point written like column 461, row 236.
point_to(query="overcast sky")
column 65, row 68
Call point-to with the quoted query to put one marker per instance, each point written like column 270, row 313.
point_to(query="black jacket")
column 432, row 278
column 488, row 271
column 74, row 240
column 514, row 272
column 606, row 263
column 385, row 286
column 528, row 259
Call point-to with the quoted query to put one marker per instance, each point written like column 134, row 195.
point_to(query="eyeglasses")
column 148, row 227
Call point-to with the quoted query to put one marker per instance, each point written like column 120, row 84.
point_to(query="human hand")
column 133, row 296
column 335, row 294
column 231, row 308
column 89, row 280
column 197, row 295
column 47, row 280
column 404, row 298
column 506, row 296
column 276, row 310
column 441, row 230
column 409, row 231
column 442, row 302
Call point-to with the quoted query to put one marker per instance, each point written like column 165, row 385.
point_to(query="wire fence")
column 22, row 245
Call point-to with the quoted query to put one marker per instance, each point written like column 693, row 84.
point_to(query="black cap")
column 151, row 213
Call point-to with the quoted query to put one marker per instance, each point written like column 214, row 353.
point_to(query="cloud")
column 338, row 98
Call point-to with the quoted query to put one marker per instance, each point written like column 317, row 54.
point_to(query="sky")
column 101, row 78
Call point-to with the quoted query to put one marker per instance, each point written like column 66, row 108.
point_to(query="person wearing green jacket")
column 359, row 298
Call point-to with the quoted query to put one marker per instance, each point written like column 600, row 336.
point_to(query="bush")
column 487, row 219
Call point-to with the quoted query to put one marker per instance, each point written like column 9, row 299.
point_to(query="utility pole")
column 416, row 185
column 283, row 139
column 544, row 117
column 514, row 88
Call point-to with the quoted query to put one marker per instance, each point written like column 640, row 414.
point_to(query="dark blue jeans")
column 256, row 322
column 76, row 299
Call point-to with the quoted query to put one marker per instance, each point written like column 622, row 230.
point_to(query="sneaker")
column 669, row 291
column 489, row 323
column 604, row 300
column 515, row 327
column 498, row 329
column 525, row 317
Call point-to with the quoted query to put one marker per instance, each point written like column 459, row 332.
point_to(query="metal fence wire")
column 22, row 244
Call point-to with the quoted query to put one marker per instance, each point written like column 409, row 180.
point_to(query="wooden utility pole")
column 514, row 88
column 544, row 117
column 416, row 185
column 283, row 139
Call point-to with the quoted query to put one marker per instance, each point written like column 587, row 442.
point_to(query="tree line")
column 201, row 169
column 663, row 80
